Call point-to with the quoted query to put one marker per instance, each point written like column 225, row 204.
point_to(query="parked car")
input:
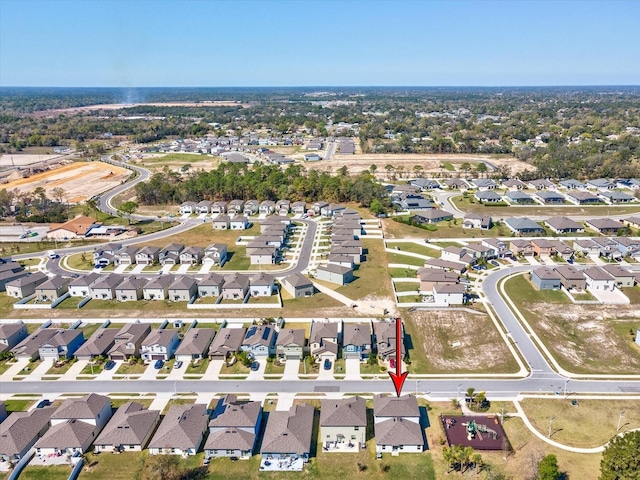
column 158, row 365
column 570, row 261
column 479, row 267
column 255, row 366
column 493, row 262
column 43, row 403
column 109, row 365
column 178, row 364
column 327, row 364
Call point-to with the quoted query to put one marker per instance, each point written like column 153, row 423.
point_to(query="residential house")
column 550, row 198
column 628, row 246
column 160, row 344
column 456, row 184
column 183, row 289
column 500, row 247
column 632, row 222
column 412, row 201
column 449, row 294
column 81, row 286
column 605, row 226
column 446, row 265
column 211, row 285
column 433, row 215
column 62, row 345
column 251, row 207
column 235, row 207
column 128, row 341
column 544, row 278
column 514, row 184
column 195, row 344
column 343, row 421
column 227, row 341
column 483, row 184
column 616, row 197
column 170, row 255
column 599, row 279
column 342, row 260
column 521, row 247
column 622, row 278
column 220, row 207
column 562, row 225
column 572, row 184
column 147, row 255
column 543, row 247
column 323, row 341
column 129, row 430
column 563, row 250
column 191, row 256
column 239, row 223
column 261, row 285
column 523, row 226
column 581, row 198
column 607, row 248
column 20, row 431
column 98, row 344
column 11, row 334
column 356, row 340
column 476, row 220
column 126, row 255
column 397, row 424
column 222, row 222
column 187, row 208
column 430, row 277
column 385, row 340
column 234, row 429
column 516, row 197
column 283, row 207
column 600, row 184
column 235, row 287
column 181, row 431
column 571, row 278
column 215, row 254
column 267, row 207
column 334, row 274
column 541, row 184
column 105, row 287
column 131, row 289
column 29, row 348
column 425, row 183
column 10, row 270
column 259, row 341
column 287, row 437
column 487, row 196
column 290, row 344
column 298, row 285
column 204, row 206
column 52, row 289
column 25, row 286
column 157, row 288
column 299, row 208
column 587, row 246
column 318, row 207
column 74, row 228
column 458, row 254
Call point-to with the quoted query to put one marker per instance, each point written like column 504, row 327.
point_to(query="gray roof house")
column 221, row 222
column 323, row 340
column 29, row 347
column 523, row 226
column 343, row 421
column 476, row 220
column 579, row 197
column 147, row 255
column 160, row 344
column 259, row 341
column 81, row 286
column 297, row 285
column 397, row 424
column 432, row 215
column 219, row 207
column 519, row 198
column 126, row 255
column 62, row 345
column 483, row 183
column 52, row 289
column 24, row 286
column 204, row 206
column 131, row 289
column 127, row 342
column 12, row 334
column 607, row 226
column 545, row 278
column 105, row 287
column 191, row 255
column 622, row 277
column 234, row 429
column 183, row 289
column 487, row 196
column 98, row 344
column 21, row 430
column 356, row 340
column 181, row 431
column 215, row 254
column 9, row 271
column 290, row 343
column 564, row 225
column 385, row 339
column 129, row 429
column 226, row 342
column 235, row 287
column 211, row 285
column 195, row 344
column 334, row 274
column 287, row 438
column 571, row 278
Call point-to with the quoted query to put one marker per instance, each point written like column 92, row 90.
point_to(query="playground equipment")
column 478, row 429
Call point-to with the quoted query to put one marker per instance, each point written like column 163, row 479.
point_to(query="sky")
column 147, row 43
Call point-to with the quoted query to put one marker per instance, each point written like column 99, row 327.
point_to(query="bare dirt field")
column 22, row 160
column 80, row 180
column 117, row 106
column 456, row 341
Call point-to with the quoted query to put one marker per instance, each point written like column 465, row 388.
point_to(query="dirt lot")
column 478, row 349
column 117, row 106
column 80, row 180
column 22, row 160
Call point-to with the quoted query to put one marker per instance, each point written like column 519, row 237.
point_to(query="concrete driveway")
column 213, row 370
column 108, row 374
column 291, row 368
column 258, row 374
column 326, row 374
column 352, row 367
column 15, row 368
column 74, row 370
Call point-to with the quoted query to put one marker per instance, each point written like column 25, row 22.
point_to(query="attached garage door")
column 157, row 357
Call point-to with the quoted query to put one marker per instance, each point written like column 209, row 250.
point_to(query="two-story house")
column 183, row 289
column 62, row 345
column 290, row 344
column 343, row 422
column 131, row 289
column 211, row 285
column 128, row 341
column 129, row 430
column 259, row 341
column 11, row 334
column 234, row 429
column 397, row 424
column 356, row 340
column 160, row 344
column 323, row 341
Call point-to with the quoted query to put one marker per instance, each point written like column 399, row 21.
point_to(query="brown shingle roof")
column 130, row 425
column 182, row 427
column 346, row 412
column 289, row 432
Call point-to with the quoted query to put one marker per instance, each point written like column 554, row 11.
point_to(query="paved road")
column 104, row 203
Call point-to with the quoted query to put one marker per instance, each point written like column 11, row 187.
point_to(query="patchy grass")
column 415, row 248
column 274, row 368
column 402, row 272
column 131, row 369
column 6, row 304
column 124, row 466
column 204, row 235
column 520, row 289
column 589, row 424
column 15, row 248
column 198, row 368
column 405, row 259
column 372, row 278
column 633, row 293
column 70, row 303
column 52, row 472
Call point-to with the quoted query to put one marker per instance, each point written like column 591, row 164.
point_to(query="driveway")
column 108, row 374
column 258, row 374
column 120, row 268
column 150, row 372
column 138, row 269
column 352, row 367
column 15, row 368
column 74, row 370
column 40, row 370
column 213, row 370
column 326, row 374
column 291, row 368
column 177, row 373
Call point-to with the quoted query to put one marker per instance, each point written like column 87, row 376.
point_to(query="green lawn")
column 124, row 466
column 407, row 286
column 63, row 368
column 415, row 248
column 372, row 277
column 200, row 367
column 14, row 248
column 6, row 304
column 54, row 472
column 402, row 272
column 398, row 258
column 131, row 369
column 70, row 303
column 92, row 370
column 18, row 405
column 520, row 289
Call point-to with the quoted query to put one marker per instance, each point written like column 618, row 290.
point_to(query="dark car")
column 44, row 403
column 109, row 365
column 327, row 364
column 255, row 366
column 158, row 365
column 494, row 263
column 178, row 364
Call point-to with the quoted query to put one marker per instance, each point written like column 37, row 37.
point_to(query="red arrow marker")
column 399, row 377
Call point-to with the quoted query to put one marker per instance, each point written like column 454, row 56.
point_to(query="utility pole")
column 566, row 382
column 619, row 420
column 550, row 424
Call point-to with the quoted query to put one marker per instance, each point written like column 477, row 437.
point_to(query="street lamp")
column 550, row 423
column 458, row 394
column 619, row 420
column 417, row 386
column 566, row 382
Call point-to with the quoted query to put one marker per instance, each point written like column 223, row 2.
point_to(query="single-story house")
column 227, row 341
column 433, row 215
column 564, row 225
column 523, row 226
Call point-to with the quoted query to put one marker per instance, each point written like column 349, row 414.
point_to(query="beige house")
column 52, row 289
column 343, row 422
column 129, row 430
column 290, row 343
column 323, row 341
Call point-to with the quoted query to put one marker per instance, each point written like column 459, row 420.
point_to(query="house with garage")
column 622, row 277
column 170, row 255
column 62, row 345
column 191, row 255
column 29, row 348
column 105, row 287
column 517, row 197
column 385, row 339
column 157, row 288
column 523, row 226
column 131, row 289
column 187, row 208
column 52, row 289
column 215, row 254
column 543, row 247
column 425, row 183
column 514, row 184
column 318, row 207
column 571, row 278
column 147, row 255
column 267, row 207
column 562, row 225
column 160, row 344
column 128, row 341
column 235, row 287
column 545, row 278
column 430, row 277
column 356, row 340
column 579, row 197
column 572, row 184
column 343, row 422
column 550, row 197
column 600, row 184
column 239, row 222
column 129, row 430
column 607, row 248
column 299, row 208
column 10, row 270
column 334, row 274
column 487, row 196
column 283, row 207
column 397, row 425
column 458, row 254
column 234, row 428
column 235, row 207
column 483, row 184
column 287, row 438
column 81, row 286
column 605, row 226
column 632, row 222
column 195, row 344
column 25, row 286
column 221, row 222
column 126, row 255
column 599, row 279
column 11, row 334
column 476, row 220
column 211, row 285
column 616, row 197
column 219, row 208
column 226, row 342
column 290, row 344
column 455, row 184
column 183, row 289
column 500, row 247
column 433, row 215
column 449, row 265
column 251, row 207
column 259, row 341
column 522, row 247
column 297, row 285
column 628, row 246
column 541, row 184
column 182, row 430
column 97, row 345
column 449, row 294
column 20, row 431
column 324, row 341
column 587, row 247
column 204, row 206
column 75, row 425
